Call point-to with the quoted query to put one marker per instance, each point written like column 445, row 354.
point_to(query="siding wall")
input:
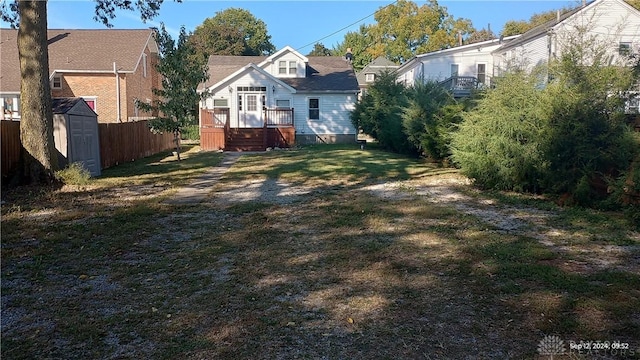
column 334, row 115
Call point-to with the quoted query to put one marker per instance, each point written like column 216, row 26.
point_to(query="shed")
column 75, row 133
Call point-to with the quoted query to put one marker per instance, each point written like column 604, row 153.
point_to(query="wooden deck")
column 217, row 134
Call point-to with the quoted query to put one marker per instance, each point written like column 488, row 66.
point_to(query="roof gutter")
column 118, row 110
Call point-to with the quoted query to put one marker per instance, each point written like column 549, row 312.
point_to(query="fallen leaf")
column 350, row 320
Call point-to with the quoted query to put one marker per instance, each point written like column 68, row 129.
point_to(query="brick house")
column 108, row 68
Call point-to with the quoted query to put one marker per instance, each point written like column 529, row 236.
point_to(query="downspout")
column 118, row 111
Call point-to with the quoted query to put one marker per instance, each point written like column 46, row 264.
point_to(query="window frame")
column 282, row 67
column 288, row 106
column 293, row 67
column 457, row 67
column 484, row 73
column 369, row 77
column 624, row 48
column 144, row 65
column 58, row 79
column 226, row 103
column 315, row 109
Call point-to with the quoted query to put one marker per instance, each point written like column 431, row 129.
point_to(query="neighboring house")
column 613, row 23
column 307, row 99
column 108, row 68
column 473, row 61
column 368, row 74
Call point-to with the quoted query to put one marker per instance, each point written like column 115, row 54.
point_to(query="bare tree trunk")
column 36, row 123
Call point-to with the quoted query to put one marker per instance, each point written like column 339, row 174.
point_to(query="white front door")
column 249, row 110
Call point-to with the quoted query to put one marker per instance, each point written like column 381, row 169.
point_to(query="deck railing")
column 278, row 117
column 216, row 118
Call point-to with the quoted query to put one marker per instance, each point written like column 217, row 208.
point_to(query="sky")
column 296, row 23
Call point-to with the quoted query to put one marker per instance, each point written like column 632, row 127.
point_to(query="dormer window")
column 282, row 67
column 293, row 68
column 56, row 83
column 370, row 77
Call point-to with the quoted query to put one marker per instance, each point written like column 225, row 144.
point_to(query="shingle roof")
column 78, row 50
column 539, row 30
column 376, row 66
column 324, row 73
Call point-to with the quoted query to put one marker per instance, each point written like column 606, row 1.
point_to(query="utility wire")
column 346, row 27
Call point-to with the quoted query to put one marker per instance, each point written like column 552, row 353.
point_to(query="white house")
column 473, row 60
column 610, row 23
column 313, row 96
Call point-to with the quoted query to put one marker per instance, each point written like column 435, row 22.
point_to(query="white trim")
column 95, row 102
column 222, row 83
column 308, row 100
column 53, row 81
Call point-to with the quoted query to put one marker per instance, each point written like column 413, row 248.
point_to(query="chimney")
column 558, row 15
column 584, row 3
column 460, row 38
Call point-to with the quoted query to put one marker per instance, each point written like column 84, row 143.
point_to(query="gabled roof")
column 286, row 49
column 543, row 29
column 247, row 68
column 90, row 51
column 324, row 73
column 65, row 105
column 453, row 50
column 376, row 66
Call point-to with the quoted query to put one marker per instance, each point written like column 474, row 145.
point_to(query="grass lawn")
column 325, row 252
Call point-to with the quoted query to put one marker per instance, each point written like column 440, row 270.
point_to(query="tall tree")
column 404, row 29
column 232, row 32
column 515, row 27
column 181, row 72
column 479, row 36
column 358, row 43
column 36, row 126
column 319, row 50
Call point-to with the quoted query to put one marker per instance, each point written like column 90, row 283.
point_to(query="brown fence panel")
column 282, row 137
column 10, row 145
column 124, row 142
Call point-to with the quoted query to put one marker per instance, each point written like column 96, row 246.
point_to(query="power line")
column 348, row 26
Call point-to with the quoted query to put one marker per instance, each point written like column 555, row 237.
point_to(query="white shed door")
column 85, row 147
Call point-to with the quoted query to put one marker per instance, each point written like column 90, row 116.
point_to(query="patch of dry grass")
column 335, row 271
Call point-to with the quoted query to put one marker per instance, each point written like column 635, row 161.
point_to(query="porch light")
column 230, row 89
column 273, row 88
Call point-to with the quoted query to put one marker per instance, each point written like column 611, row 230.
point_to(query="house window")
column 481, row 74
column 293, row 68
column 91, row 101
column 57, row 82
column 144, row 65
column 283, row 103
column 314, row 109
column 624, row 49
column 220, row 103
column 252, row 103
column 454, row 70
column 370, row 77
column 240, row 102
column 282, row 67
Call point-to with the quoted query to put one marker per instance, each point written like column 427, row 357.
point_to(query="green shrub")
column 498, row 142
column 379, row 114
column 74, row 174
column 429, row 117
column 191, row 132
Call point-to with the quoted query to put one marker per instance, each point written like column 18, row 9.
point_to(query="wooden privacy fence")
column 124, row 142
column 11, row 145
column 119, row 143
